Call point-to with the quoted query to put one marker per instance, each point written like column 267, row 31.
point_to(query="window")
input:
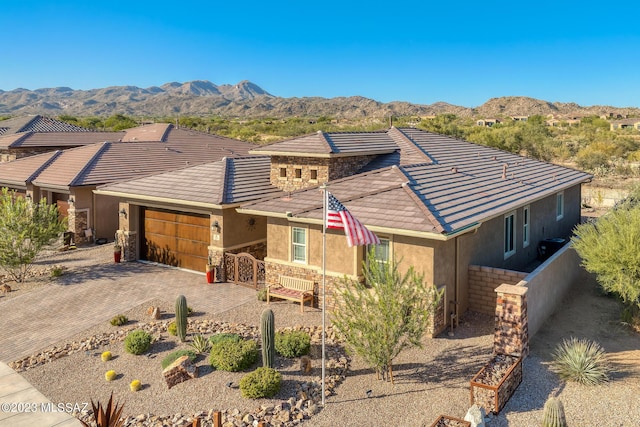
column 313, row 174
column 283, row 172
column 299, row 244
column 559, row 206
column 509, row 235
column 525, row 226
column 298, row 173
column 381, row 252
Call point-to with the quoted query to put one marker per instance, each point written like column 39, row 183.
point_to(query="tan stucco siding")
column 236, row 229
column 278, row 239
column 106, row 217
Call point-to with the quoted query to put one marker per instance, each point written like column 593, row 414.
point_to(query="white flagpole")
column 325, row 198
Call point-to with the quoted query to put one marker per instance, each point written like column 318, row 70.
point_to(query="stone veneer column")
column 216, row 257
column 129, row 241
column 77, row 223
column 511, row 334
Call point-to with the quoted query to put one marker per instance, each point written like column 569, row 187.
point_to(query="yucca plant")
column 200, row 344
column 582, row 361
column 106, row 417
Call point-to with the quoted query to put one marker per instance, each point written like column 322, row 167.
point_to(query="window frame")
column 559, row 205
column 509, row 229
column 282, row 173
column 295, row 244
column 388, row 251
column 526, row 226
column 311, row 173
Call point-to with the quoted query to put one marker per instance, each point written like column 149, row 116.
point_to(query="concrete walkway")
column 86, row 296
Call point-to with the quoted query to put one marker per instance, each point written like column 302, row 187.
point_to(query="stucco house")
column 633, row 123
column 437, row 203
column 68, row 177
column 187, row 218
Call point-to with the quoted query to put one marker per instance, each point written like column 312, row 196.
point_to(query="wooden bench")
column 293, row 289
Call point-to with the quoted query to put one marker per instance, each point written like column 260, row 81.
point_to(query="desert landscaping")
column 429, row 382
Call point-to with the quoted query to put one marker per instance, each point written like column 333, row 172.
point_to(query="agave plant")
column 582, row 361
column 200, row 344
column 106, row 417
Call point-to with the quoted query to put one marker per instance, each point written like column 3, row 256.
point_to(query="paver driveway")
column 95, row 292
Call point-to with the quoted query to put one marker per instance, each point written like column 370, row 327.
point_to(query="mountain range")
column 246, row 99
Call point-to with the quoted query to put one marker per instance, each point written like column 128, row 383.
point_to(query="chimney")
column 504, row 171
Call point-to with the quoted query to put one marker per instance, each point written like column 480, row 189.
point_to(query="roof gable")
column 37, row 124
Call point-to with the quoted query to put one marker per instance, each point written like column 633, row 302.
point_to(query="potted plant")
column 211, row 271
column 117, row 253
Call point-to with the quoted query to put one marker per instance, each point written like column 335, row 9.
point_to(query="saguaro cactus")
column 181, row 317
column 267, row 332
column 553, row 413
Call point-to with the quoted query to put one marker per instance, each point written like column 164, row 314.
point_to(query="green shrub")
column 57, row 271
column 233, row 356
column 137, row 342
column 292, row 343
column 119, row 320
column 263, row 382
column 262, row 294
column 189, row 311
column 172, row 329
column 582, row 361
column 216, row 338
column 173, row 356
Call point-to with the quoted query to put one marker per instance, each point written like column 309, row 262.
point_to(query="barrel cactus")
column 181, row 317
column 553, row 415
column 267, row 333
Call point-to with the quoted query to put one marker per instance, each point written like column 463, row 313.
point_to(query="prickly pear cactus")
column 181, row 317
column 267, row 333
column 553, row 415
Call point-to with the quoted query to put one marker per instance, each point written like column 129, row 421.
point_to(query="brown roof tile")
column 36, row 124
column 64, row 139
column 19, row 172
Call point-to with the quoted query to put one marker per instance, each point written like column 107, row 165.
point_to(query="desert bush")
column 582, row 361
column 233, row 356
column 216, row 338
column 119, row 320
column 292, row 343
column 137, row 342
column 262, row 295
column 200, row 344
column 106, row 356
column 175, row 355
column 172, row 329
column 57, row 271
column 263, row 382
column 135, row 385
column 110, row 375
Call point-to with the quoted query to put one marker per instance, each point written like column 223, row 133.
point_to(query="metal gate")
column 244, row 269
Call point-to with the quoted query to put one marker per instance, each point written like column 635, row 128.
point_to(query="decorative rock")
column 305, row 364
column 475, row 415
column 179, row 371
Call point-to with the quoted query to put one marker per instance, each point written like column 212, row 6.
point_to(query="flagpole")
column 324, row 279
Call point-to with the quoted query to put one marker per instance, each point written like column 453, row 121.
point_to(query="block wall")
column 482, row 284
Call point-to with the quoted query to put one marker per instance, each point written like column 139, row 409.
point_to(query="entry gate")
column 244, row 269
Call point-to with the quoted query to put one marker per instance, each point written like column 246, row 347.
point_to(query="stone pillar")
column 511, row 334
column 128, row 240
column 216, row 257
column 77, row 223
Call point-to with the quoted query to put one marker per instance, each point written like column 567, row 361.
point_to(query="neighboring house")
column 487, row 122
column 625, row 124
column 67, row 177
column 519, row 118
column 187, row 217
column 28, row 135
column 437, row 203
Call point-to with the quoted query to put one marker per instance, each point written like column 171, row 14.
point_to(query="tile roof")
column 115, row 161
column 56, row 139
column 36, row 124
column 323, row 144
column 462, row 184
column 228, row 181
column 18, row 173
column 152, row 132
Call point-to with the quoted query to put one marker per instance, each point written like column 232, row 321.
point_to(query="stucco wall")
column 549, row 284
column 236, row 229
column 106, row 216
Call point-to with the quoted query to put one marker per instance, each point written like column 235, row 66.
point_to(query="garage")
column 175, row 238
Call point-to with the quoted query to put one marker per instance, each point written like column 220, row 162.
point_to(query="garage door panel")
column 176, row 238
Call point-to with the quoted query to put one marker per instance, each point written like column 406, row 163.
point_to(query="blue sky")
column 459, row 52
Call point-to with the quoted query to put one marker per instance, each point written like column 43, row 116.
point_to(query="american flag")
column 339, row 217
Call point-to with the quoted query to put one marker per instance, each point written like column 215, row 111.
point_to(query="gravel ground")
column 430, row 381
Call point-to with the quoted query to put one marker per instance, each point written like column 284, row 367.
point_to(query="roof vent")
column 504, row 171
column 454, row 169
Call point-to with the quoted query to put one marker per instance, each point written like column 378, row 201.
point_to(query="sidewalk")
column 17, row 397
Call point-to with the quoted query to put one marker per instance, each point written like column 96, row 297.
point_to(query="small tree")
column 384, row 315
column 25, row 228
column 609, row 248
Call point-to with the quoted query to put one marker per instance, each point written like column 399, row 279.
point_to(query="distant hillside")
column 246, row 99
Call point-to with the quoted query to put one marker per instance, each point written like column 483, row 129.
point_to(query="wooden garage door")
column 176, row 238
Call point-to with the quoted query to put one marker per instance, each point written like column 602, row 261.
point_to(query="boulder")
column 179, row 371
column 475, row 415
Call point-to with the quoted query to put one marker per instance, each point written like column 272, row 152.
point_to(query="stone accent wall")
column 438, row 321
column 128, row 240
column 216, row 257
column 273, row 270
column 511, row 334
column 77, row 223
column 482, row 284
column 328, row 169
